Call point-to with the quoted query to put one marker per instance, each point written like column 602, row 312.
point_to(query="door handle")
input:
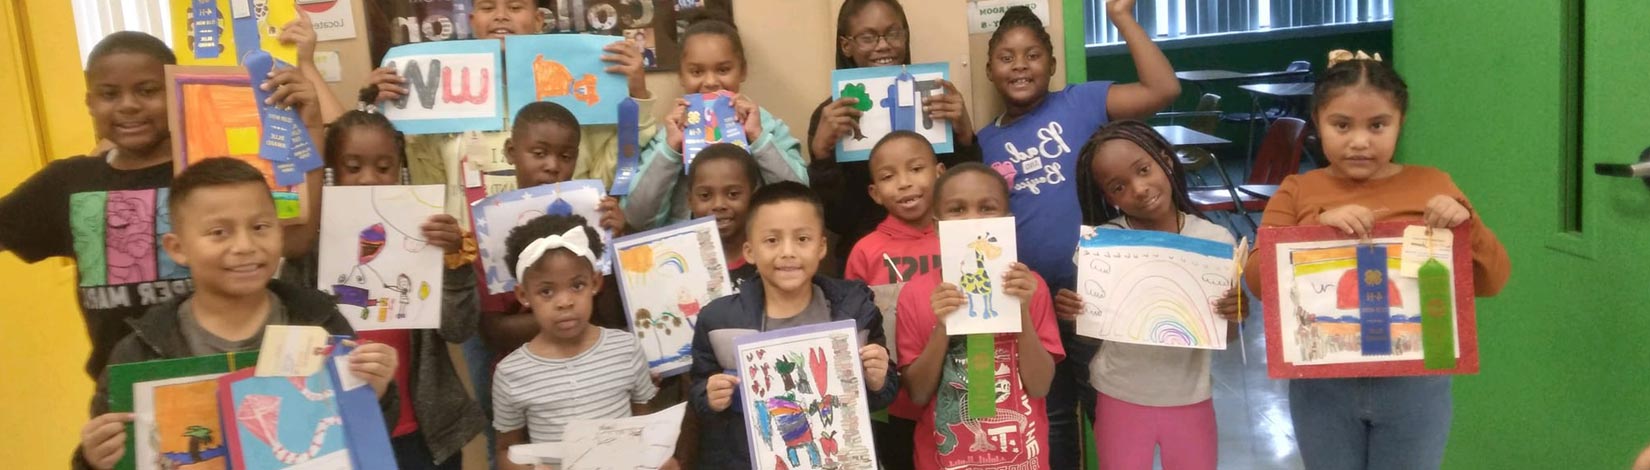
column 1639, row 170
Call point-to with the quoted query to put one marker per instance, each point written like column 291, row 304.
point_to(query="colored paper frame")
column 565, row 69
column 922, row 73
column 123, row 377
column 493, row 82
column 291, row 202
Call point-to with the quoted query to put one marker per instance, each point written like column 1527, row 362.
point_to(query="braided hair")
column 365, row 115
column 1091, row 198
column 1021, row 17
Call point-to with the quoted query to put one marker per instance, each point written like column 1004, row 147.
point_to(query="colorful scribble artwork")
column 666, row 276
column 565, row 69
column 891, row 99
column 284, row 422
column 374, row 258
column 1324, row 323
column 804, row 400
column 977, row 254
column 1156, row 288
column 496, row 215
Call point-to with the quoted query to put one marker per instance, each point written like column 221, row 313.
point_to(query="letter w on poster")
column 1149, row 287
column 452, row 86
column 891, row 99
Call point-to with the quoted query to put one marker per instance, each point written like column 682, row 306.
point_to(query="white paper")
column 638, row 442
column 806, row 382
column 975, row 255
column 1319, row 321
column 1152, row 288
column 721, row 342
column 1420, row 246
column 906, row 93
column 496, row 215
column 291, row 351
column 375, row 258
column 461, row 74
column 666, row 276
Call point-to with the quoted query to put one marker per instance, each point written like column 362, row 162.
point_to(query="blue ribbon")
column 629, row 151
column 1374, row 307
column 285, row 143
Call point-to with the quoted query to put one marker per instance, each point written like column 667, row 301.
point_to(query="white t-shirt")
column 1157, row 375
column 543, row 394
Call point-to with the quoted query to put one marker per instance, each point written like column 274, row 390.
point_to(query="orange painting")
column 222, row 121
column 187, row 426
column 552, row 79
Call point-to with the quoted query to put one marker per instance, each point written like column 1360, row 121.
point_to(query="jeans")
column 479, row 360
column 1069, row 391
column 1371, row 423
column 412, row 453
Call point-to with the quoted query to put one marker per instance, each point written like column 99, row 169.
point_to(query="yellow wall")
column 43, row 344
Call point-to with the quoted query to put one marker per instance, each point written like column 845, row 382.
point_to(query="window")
column 1176, row 19
column 94, row 19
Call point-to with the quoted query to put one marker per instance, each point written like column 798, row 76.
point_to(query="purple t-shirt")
column 1037, row 154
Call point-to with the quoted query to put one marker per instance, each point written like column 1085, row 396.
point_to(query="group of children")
column 558, row 340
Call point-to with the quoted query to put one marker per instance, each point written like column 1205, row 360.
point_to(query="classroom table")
column 1201, row 78
column 1291, row 95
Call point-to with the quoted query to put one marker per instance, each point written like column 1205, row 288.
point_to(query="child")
column 227, row 235
column 1149, row 396
column 1358, row 109
column 870, row 33
column 785, row 240
column 902, row 173
column 571, row 369
column 721, row 180
column 713, row 59
column 437, row 418
column 1030, row 144
column 933, row 363
column 77, row 207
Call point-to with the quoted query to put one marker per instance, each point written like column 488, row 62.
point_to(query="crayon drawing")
column 1318, row 304
column 212, row 113
column 453, row 86
column 565, row 69
column 177, row 424
column 1147, row 287
column 977, row 253
column 284, row 422
column 496, row 215
column 891, row 98
column 665, row 277
column 374, row 258
column 803, row 396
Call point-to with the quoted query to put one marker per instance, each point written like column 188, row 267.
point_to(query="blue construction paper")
column 629, row 147
column 711, row 119
column 453, row 86
column 566, row 69
column 876, row 88
column 494, row 217
column 1374, row 308
column 1151, row 238
column 366, row 432
column 285, row 142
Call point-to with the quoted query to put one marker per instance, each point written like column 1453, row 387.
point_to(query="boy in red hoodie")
column 903, row 170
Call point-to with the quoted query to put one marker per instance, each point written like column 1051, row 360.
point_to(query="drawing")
column 976, row 254
column 175, row 403
column 666, row 276
column 891, row 99
column 815, row 415
column 633, row 443
column 1311, row 299
column 1149, row 287
column 374, row 258
column 326, row 420
column 494, row 217
column 565, row 69
column 212, row 113
column 453, row 86
column 711, row 119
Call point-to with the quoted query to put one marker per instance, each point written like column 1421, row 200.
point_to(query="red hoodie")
column 915, row 251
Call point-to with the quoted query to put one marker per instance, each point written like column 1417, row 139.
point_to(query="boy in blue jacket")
column 785, row 239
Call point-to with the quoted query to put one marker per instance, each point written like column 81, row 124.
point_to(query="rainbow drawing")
column 670, row 261
column 1152, row 288
column 1164, row 313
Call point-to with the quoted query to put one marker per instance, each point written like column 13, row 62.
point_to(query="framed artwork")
column 665, row 276
column 803, row 394
column 212, row 113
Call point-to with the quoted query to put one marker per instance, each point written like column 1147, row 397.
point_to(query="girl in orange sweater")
column 1386, row 422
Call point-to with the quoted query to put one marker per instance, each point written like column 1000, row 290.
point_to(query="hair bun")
column 1020, row 15
column 707, row 15
column 367, row 96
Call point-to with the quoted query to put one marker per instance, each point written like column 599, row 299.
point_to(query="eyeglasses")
column 893, row 36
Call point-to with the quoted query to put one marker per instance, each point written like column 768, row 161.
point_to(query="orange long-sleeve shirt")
column 1302, row 198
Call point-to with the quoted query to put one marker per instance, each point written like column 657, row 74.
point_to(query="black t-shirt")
column 110, row 221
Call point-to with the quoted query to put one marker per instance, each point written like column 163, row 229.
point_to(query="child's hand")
column 1445, row 212
column 391, row 86
column 1119, row 9
column 1229, row 308
column 676, row 125
column 103, row 439
column 626, row 57
column 1067, row 305
column 1351, row 218
column 950, row 107
column 442, row 231
column 301, row 33
column 945, row 300
column 836, row 120
column 1020, row 283
column 612, row 216
column 719, row 389
column 874, row 357
column 750, row 115
column 374, row 363
column 288, row 89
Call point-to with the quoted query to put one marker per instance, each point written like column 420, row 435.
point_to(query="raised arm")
column 1157, row 86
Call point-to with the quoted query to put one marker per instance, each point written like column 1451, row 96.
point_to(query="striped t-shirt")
column 543, row 394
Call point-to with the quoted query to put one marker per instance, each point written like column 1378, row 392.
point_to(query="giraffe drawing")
column 977, row 282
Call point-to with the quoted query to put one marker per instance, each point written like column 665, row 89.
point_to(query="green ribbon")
column 982, row 376
column 1437, row 322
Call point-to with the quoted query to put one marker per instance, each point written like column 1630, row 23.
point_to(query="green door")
column 1518, row 99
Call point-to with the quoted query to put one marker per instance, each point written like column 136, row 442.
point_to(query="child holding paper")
column 785, row 241
column 1150, row 397
column 933, row 363
column 720, row 182
column 713, row 59
column 227, row 235
column 1359, row 107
